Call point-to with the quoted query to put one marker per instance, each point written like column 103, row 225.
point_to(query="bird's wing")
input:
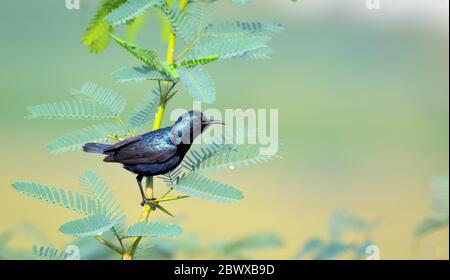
column 124, row 142
column 144, row 150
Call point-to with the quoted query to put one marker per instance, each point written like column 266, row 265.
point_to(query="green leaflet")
column 89, row 226
column 75, row 202
column 247, row 40
column 198, row 83
column 192, row 62
column 106, row 97
column 147, row 56
column 190, row 23
column 98, row 204
column 129, row 10
column 172, row 177
column 145, row 111
column 229, row 45
column 259, row 53
column 169, row 69
column 195, row 184
column 136, row 74
column 75, row 140
column 48, row 253
column 96, row 188
column 96, row 36
column 71, row 110
column 240, row 156
column 196, row 157
column 255, row 28
column 156, row 229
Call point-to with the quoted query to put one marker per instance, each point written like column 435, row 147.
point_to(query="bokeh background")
column 363, row 102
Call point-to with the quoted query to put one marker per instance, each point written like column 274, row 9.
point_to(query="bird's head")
column 189, row 126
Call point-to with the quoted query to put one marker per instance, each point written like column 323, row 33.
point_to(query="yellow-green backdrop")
column 363, row 100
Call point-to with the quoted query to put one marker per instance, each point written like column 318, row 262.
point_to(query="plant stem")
column 129, row 255
column 164, row 199
column 167, row 193
column 118, row 239
column 109, row 244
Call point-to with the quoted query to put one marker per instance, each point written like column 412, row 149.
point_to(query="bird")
column 156, row 152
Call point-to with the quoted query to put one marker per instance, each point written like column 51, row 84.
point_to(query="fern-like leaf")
column 197, row 156
column 173, row 177
column 96, row 36
column 192, row 62
column 156, row 229
column 240, row 156
column 70, row 110
column 260, row 28
column 262, row 53
column 198, row 83
column 190, row 23
column 146, row 56
column 97, row 189
column 137, row 74
column 75, row 202
column 89, row 226
column 106, row 97
column 195, row 184
column 48, row 253
column 229, row 45
column 130, row 10
column 74, row 141
column 145, row 111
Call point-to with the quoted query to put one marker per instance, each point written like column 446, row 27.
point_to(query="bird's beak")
column 214, row 122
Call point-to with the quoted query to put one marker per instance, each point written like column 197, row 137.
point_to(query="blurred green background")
column 363, row 100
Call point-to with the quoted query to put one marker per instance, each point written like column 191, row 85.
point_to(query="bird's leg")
column 145, row 200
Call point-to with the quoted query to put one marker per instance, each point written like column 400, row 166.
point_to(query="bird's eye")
column 179, row 119
column 180, row 133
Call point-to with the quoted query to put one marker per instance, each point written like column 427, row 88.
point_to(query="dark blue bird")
column 156, row 152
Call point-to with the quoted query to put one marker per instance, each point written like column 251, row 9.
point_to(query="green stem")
column 165, row 199
column 129, row 255
column 118, row 238
column 167, row 193
column 109, row 245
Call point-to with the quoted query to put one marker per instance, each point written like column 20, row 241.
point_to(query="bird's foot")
column 149, row 202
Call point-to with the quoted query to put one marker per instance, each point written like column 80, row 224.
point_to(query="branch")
column 109, row 245
column 129, row 255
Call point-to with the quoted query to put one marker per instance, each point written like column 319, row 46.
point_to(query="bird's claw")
column 149, row 202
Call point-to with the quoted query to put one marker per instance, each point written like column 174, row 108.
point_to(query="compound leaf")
column 198, row 83
column 130, row 10
column 156, row 229
column 89, row 226
column 195, row 184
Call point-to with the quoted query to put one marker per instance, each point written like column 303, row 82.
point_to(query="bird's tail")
column 95, row 148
